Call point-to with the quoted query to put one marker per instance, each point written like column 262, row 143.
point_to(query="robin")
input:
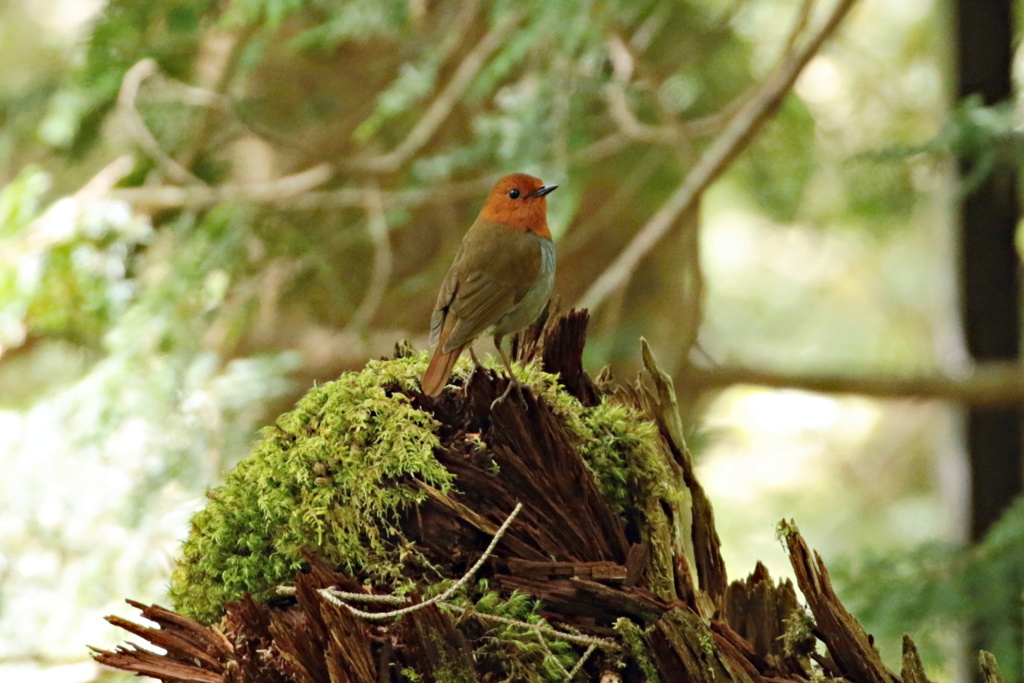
column 501, row 278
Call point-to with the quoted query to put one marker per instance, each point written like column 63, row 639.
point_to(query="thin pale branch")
column 327, row 593
column 443, row 104
column 734, row 139
column 133, row 79
column 617, row 101
column 38, row 238
column 383, row 259
column 108, row 177
column 600, row 149
column 275, row 191
column 803, row 17
column 991, row 384
column 215, row 99
column 294, row 192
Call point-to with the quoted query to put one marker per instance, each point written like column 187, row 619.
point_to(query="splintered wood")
column 590, row 568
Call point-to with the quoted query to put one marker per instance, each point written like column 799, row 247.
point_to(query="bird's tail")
column 440, row 368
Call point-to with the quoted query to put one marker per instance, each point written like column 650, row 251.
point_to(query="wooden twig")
column 107, row 177
column 601, row 149
column 328, row 594
column 38, row 238
column 991, row 384
column 736, row 137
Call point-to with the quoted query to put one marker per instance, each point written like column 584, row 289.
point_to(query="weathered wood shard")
column 758, row 609
column 850, row 646
column 642, row 594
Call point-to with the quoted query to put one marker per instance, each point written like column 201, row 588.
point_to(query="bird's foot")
column 513, row 383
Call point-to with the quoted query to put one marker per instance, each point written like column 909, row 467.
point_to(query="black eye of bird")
column 513, row 193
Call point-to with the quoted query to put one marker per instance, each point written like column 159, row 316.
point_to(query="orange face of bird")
column 518, row 200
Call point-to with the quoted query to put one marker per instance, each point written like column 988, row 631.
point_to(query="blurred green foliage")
column 936, row 588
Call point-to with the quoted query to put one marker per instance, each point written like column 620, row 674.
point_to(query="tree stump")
column 609, row 571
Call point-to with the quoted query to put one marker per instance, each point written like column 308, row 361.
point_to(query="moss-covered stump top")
column 402, row 491
column 610, row 570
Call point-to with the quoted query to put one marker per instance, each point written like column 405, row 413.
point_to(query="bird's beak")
column 543, row 190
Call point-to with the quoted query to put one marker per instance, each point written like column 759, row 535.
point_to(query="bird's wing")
column 493, row 271
column 444, row 302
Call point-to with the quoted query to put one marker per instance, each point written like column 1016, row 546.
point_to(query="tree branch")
column 990, row 384
column 202, row 127
column 199, row 196
column 738, row 134
column 442, row 106
column 294, row 192
column 130, row 84
column 383, row 259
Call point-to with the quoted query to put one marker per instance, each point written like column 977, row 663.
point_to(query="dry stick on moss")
column 737, row 135
column 583, row 660
column 337, row 598
column 549, row 653
column 575, row 638
column 568, row 673
column 381, row 616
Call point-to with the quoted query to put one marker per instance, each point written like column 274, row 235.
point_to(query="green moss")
column 329, row 477
column 511, row 648
column 622, row 448
column 324, row 477
column 798, row 639
column 633, row 636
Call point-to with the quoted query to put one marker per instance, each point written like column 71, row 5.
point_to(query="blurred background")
column 208, row 205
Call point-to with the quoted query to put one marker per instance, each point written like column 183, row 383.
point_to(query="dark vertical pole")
column 990, row 295
column 990, row 301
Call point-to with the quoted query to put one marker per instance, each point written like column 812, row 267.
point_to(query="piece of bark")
column 913, row 669
column 537, row 458
column 697, row 524
column 161, row 667
column 196, row 653
column 989, row 667
column 563, row 356
column 685, row 649
column 851, row 647
column 758, row 610
column 433, row 647
column 607, row 572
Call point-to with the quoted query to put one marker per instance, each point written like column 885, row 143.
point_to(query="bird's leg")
column 512, row 381
column 476, row 361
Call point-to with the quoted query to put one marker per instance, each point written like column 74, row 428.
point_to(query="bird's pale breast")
column 530, row 306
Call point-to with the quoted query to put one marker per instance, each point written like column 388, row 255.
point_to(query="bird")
column 500, row 280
